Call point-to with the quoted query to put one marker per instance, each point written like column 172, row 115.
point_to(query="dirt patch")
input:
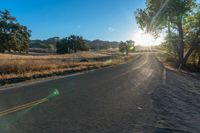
column 177, row 102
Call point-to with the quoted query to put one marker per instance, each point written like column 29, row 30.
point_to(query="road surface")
column 111, row 100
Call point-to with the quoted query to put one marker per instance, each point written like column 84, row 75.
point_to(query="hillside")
column 51, row 44
column 44, row 44
column 99, row 44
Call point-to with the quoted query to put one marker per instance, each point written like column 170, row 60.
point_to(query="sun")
column 145, row 39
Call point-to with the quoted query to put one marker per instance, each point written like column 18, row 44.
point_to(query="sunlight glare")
column 145, row 39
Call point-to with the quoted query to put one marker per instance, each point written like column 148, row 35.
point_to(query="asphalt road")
column 111, row 100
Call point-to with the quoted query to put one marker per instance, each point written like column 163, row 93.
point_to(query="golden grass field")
column 54, row 56
column 20, row 66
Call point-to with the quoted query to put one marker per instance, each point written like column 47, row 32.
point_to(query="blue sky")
column 92, row 19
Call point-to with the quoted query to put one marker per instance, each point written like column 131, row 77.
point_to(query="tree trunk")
column 126, row 51
column 171, row 42
column 194, row 60
column 181, row 44
column 199, row 63
column 190, row 51
column 193, row 46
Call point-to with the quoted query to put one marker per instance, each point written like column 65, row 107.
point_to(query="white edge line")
column 164, row 76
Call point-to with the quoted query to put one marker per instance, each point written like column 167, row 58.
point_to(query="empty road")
column 111, row 100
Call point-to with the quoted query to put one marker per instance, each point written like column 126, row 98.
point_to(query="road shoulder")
column 177, row 102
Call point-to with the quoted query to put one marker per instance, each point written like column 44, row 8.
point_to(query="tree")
column 13, row 36
column 168, row 15
column 127, row 46
column 71, row 44
column 63, row 46
column 75, row 43
column 192, row 33
column 196, row 58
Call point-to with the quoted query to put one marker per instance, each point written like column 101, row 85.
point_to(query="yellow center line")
column 21, row 107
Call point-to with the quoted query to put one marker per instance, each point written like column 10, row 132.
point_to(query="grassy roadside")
column 17, row 68
column 52, row 56
column 169, row 62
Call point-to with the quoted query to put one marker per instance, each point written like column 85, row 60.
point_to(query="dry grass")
column 27, row 66
column 24, row 68
column 14, row 66
column 119, row 60
column 54, row 56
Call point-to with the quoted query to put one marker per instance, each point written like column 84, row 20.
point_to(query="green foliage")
column 126, row 47
column 180, row 18
column 170, row 39
column 159, row 13
column 13, row 36
column 195, row 58
column 49, row 43
column 71, row 44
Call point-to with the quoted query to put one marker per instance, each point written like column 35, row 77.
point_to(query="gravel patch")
column 177, row 103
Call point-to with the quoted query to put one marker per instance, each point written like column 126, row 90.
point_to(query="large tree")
column 192, row 33
column 169, row 15
column 13, row 36
column 71, row 44
column 127, row 46
column 75, row 42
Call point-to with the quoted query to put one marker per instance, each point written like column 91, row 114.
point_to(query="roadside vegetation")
column 16, row 68
column 181, row 22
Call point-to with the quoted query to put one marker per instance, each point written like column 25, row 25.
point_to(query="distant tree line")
column 14, row 37
column 49, row 44
column 99, row 44
column 71, row 44
column 126, row 47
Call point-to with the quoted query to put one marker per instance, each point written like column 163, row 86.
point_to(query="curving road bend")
column 111, row 100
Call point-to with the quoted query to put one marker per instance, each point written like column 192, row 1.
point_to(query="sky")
column 111, row 20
